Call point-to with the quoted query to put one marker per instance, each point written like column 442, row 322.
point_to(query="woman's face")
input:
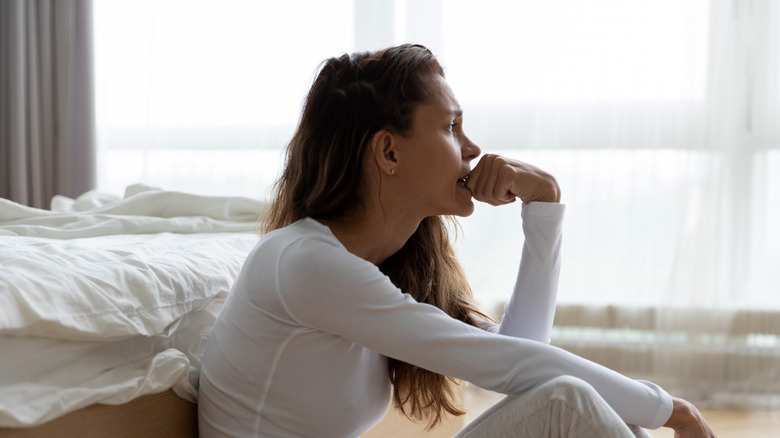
column 436, row 156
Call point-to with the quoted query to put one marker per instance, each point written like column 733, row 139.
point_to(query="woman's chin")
column 465, row 210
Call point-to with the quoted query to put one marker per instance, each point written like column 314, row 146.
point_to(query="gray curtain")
column 47, row 109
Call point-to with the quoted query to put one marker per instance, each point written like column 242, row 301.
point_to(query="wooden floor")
column 734, row 424
column 726, row 423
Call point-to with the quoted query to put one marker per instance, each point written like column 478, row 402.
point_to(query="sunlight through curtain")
column 659, row 120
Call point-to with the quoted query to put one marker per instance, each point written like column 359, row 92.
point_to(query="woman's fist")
column 497, row 180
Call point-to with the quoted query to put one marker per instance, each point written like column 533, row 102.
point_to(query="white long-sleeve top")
column 301, row 346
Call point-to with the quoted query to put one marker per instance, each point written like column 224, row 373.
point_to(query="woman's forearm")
column 531, row 309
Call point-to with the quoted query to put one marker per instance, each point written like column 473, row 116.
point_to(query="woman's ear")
column 384, row 146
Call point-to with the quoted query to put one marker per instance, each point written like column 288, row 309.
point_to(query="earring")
column 392, row 171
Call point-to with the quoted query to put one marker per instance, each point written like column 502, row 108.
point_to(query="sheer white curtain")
column 641, row 109
column 659, row 120
column 202, row 96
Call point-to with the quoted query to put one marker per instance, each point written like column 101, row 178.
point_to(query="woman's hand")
column 498, row 180
column 687, row 421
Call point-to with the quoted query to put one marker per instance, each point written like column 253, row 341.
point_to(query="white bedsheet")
column 105, row 299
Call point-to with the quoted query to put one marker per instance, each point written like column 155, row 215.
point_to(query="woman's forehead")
column 444, row 102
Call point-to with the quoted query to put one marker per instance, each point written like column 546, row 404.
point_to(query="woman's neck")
column 374, row 235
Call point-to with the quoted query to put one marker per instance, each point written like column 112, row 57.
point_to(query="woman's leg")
column 565, row 407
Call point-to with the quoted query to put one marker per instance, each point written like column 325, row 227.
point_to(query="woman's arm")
column 327, row 289
column 530, row 311
column 498, row 180
column 531, row 308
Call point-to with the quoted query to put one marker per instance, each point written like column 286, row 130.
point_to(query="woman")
column 354, row 291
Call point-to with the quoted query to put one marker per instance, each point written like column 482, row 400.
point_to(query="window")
column 658, row 119
column 203, row 98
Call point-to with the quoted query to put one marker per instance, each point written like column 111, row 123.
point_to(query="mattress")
column 105, row 299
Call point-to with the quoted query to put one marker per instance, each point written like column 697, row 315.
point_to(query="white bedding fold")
column 104, row 299
column 144, row 211
column 42, row 379
column 112, row 287
column 94, row 274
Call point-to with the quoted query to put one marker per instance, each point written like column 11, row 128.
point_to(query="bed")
column 105, row 307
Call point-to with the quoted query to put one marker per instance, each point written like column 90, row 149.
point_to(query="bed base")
column 163, row 415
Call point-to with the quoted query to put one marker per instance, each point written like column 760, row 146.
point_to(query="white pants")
column 565, row 407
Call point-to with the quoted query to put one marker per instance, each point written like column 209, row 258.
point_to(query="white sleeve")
column 324, row 287
column 530, row 311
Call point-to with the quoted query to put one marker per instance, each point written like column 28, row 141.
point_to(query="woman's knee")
column 570, row 397
column 570, row 385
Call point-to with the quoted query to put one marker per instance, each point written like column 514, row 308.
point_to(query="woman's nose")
column 469, row 149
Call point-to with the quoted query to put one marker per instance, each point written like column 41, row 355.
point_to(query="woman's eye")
column 451, row 127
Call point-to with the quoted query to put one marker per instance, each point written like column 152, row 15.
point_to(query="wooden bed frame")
column 163, row 415
column 166, row 415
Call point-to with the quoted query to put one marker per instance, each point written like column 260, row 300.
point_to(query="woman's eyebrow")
column 455, row 111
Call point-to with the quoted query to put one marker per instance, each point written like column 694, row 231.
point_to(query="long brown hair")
column 352, row 98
